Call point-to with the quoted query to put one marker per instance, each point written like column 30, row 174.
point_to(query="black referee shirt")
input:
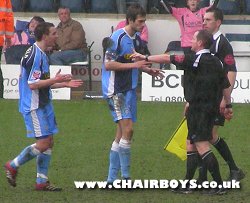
column 204, row 77
column 224, row 51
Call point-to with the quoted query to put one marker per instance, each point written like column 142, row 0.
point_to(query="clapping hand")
column 74, row 83
column 62, row 77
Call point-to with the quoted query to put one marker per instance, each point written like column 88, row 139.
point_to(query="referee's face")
column 210, row 24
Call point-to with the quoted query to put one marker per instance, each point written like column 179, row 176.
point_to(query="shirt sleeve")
column 177, row 59
column 225, row 83
column 183, row 62
column 227, row 56
column 34, row 66
column 111, row 53
column 178, row 12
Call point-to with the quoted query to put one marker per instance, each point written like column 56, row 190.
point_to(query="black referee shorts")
column 200, row 121
column 219, row 120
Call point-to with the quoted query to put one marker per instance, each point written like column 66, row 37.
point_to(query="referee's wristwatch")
column 229, row 106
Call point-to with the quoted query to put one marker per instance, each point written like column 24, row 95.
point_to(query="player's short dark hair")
column 133, row 11
column 42, row 29
column 38, row 19
column 218, row 13
column 206, row 38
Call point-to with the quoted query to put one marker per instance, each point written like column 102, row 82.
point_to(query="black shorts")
column 200, row 122
column 219, row 120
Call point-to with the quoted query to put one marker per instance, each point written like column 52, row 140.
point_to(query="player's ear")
column 218, row 22
column 200, row 43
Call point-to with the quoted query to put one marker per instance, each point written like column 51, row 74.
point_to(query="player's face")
column 192, row 4
column 138, row 24
column 210, row 24
column 51, row 38
column 64, row 15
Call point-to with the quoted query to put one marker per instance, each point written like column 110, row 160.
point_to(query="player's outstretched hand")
column 142, row 64
column 62, row 77
column 155, row 72
column 137, row 56
column 74, row 83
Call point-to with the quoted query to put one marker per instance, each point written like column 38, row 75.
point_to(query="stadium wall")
column 162, row 30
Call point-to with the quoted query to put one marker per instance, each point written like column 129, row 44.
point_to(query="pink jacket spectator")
column 15, row 40
column 189, row 23
column 143, row 34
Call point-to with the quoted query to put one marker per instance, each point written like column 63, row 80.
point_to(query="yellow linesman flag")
column 177, row 143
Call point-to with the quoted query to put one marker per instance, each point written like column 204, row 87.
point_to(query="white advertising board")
column 170, row 88
column 11, row 75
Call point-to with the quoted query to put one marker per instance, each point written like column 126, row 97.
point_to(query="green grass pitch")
column 82, row 147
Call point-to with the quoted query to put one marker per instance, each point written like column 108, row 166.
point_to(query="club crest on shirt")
column 36, row 75
column 229, row 59
column 179, row 58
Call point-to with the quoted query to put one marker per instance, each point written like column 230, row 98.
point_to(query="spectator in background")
column 190, row 20
column 6, row 32
column 24, row 31
column 71, row 44
column 22, row 40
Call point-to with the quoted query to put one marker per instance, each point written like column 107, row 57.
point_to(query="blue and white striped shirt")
column 34, row 67
column 121, row 48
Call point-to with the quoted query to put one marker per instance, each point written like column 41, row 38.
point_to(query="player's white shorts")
column 41, row 122
column 123, row 105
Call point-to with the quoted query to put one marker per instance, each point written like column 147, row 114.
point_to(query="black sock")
column 212, row 165
column 225, row 152
column 202, row 171
column 192, row 163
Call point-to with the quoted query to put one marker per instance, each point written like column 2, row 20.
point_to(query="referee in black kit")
column 206, row 85
column 213, row 19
